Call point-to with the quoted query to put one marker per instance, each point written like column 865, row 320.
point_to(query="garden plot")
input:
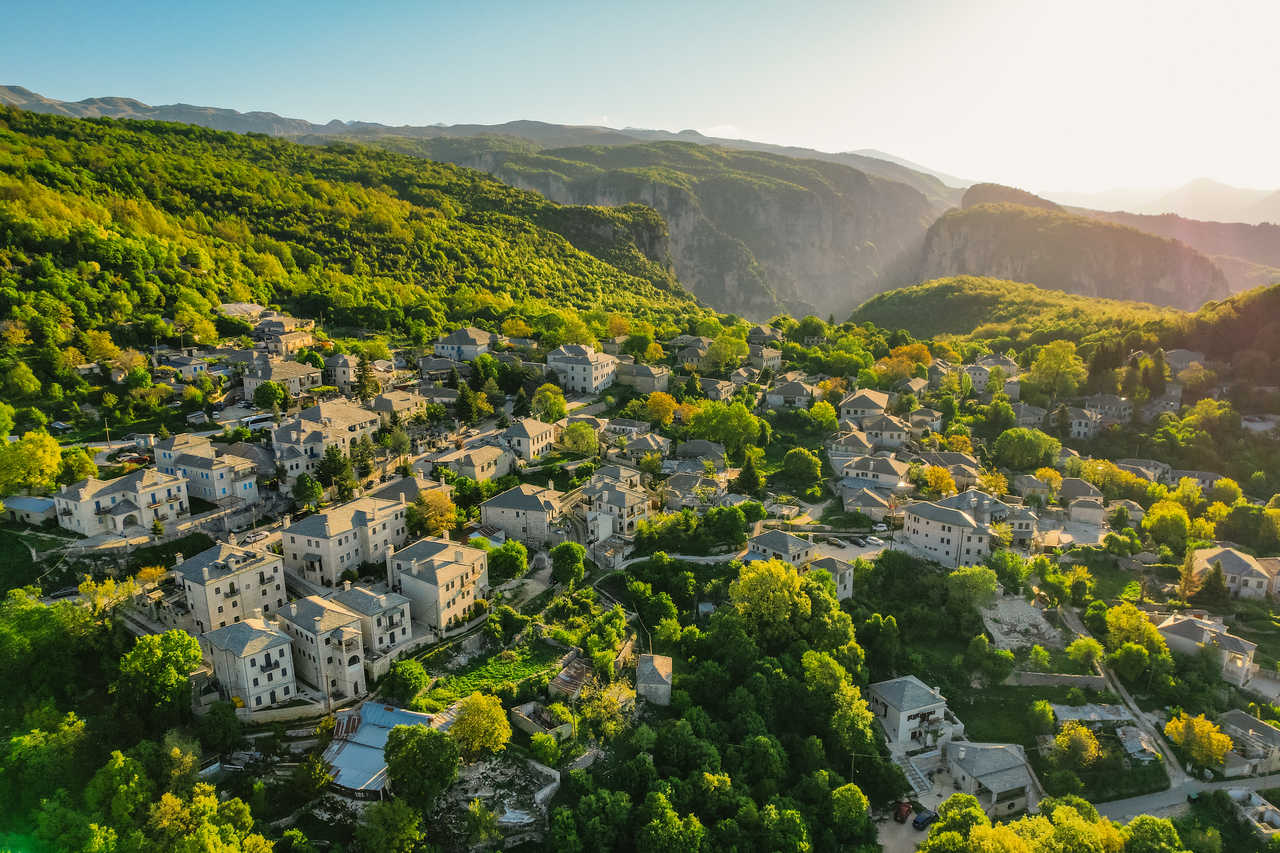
column 1015, row 623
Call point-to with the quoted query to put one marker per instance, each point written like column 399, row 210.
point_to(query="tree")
column 1075, row 745
column 1051, row 479
column 32, row 462
column 405, row 680
column 310, row 777
column 1057, row 369
column 1038, row 658
column 400, row 442
column 421, row 763
column 1227, row 491
column 1213, row 588
column 219, row 728
column 545, row 749
column 432, row 513
column 748, row 482
column 548, row 404
column 307, row 491
column 993, row 483
column 769, row 595
column 508, row 560
column 270, row 395
column 1202, row 740
column 823, row 416
column 482, row 823
column 730, row 424
column 120, row 791
column 390, row 826
column 1040, row 714
column 334, row 467
column 661, row 408
column 851, row 815
column 480, row 726
column 1084, row 651
column 1024, row 449
column 938, row 480
column 155, row 674
column 1148, row 834
column 567, row 563
column 971, row 587
column 21, row 381
column 76, row 465
column 580, row 438
column 1127, row 624
column 1130, row 661
column 666, row 832
column 802, row 468
column 1168, row 524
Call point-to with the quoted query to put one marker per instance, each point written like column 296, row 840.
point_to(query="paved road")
column 1123, row 810
column 1177, row 776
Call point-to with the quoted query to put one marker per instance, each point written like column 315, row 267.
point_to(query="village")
column 360, row 513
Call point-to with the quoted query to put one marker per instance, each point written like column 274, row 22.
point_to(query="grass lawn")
column 833, row 515
column 1258, row 623
column 509, row 666
column 173, row 419
column 163, row 555
column 16, row 566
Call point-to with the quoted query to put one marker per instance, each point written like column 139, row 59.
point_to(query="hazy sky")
column 1080, row 95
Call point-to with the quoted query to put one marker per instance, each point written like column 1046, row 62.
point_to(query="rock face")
column 750, row 233
column 1070, row 253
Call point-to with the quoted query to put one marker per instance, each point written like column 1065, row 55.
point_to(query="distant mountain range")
column 757, row 228
column 1202, row 199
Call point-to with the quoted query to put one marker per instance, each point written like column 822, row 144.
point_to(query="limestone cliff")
column 1069, row 253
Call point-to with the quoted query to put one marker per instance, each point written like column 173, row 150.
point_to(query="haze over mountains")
column 757, row 228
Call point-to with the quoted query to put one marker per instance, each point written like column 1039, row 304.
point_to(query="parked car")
column 902, row 811
column 858, row 540
column 881, row 528
column 876, row 541
column 925, row 819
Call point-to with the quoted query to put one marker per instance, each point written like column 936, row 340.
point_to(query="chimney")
column 204, row 572
column 346, row 586
column 316, row 620
column 960, row 754
column 177, row 559
column 256, row 613
column 286, row 520
column 457, row 556
column 231, row 538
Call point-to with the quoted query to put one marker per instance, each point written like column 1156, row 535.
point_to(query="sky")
column 1046, row 95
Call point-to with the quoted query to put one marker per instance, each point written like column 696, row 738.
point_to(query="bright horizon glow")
column 1081, row 97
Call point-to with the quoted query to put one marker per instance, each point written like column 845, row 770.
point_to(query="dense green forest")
column 118, row 224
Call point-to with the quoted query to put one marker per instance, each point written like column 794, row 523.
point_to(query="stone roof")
column 143, row 478
column 221, row 560
column 1234, row 562
column 906, row 694
column 526, row 497
column 304, row 611
column 997, row 766
column 866, row 399
column 342, row 518
column 364, row 600
column 528, row 428
column 778, row 540
column 432, row 555
column 247, row 637
column 653, row 670
column 469, row 336
column 942, row 514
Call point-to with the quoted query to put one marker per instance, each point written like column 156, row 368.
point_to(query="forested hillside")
column 987, row 308
column 751, row 232
column 1070, row 253
column 1249, row 255
column 122, row 224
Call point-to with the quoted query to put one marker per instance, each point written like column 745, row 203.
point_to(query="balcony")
column 230, row 592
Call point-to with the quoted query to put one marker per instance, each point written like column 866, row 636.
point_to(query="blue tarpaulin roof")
column 359, row 738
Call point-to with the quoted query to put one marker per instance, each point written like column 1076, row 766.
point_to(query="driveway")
column 897, row 837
